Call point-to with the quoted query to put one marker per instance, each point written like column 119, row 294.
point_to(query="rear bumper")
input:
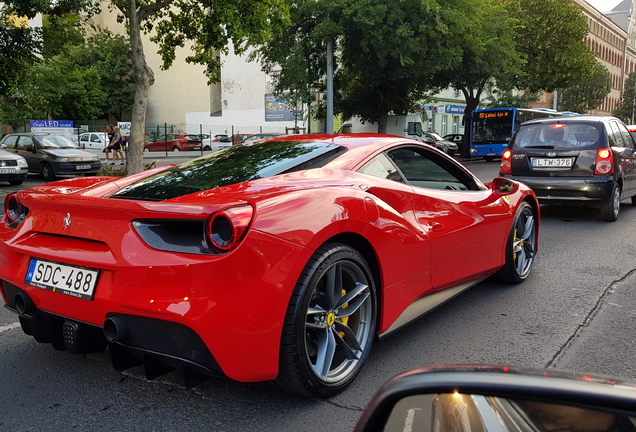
column 570, row 190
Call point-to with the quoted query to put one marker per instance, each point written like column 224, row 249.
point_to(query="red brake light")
column 604, row 162
column 506, row 164
column 224, row 230
column 557, row 125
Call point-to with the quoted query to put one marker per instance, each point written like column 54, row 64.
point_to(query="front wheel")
column 609, row 210
column 47, row 172
column 330, row 323
column 521, row 247
column 175, row 149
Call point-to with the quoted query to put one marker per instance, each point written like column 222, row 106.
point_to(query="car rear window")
column 558, row 135
column 234, row 165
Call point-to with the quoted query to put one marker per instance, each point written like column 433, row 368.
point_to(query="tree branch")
column 146, row 11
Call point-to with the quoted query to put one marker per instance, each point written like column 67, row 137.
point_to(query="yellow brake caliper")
column 343, row 320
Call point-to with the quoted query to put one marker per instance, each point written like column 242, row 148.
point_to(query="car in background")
column 632, row 131
column 51, row 155
column 434, row 139
column 259, row 136
column 174, row 142
column 456, row 138
column 93, row 140
column 216, row 143
column 333, row 240
column 575, row 160
column 13, row 168
column 238, row 139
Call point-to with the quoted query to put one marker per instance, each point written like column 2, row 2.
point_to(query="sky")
column 604, row 5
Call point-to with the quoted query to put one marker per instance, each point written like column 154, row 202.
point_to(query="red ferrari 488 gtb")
column 281, row 260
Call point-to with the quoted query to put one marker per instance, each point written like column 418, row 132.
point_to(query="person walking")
column 118, row 148
column 115, row 146
column 109, row 146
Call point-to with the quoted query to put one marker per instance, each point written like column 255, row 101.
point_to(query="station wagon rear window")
column 575, row 135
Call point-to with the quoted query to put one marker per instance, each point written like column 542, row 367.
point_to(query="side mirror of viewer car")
column 471, row 398
column 504, row 186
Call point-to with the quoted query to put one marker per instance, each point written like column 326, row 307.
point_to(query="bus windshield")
column 493, row 126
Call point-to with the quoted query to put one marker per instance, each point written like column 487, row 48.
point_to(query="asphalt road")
column 576, row 311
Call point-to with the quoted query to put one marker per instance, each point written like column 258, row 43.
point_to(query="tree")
column 496, row 98
column 387, row 51
column 627, row 108
column 209, row 26
column 587, row 95
column 550, row 38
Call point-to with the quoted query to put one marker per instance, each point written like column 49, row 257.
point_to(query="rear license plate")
column 82, row 167
column 70, row 280
column 491, row 154
column 7, row 170
column 552, row 163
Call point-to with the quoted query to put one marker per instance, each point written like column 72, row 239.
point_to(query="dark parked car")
column 437, row 141
column 174, row 142
column 456, row 138
column 574, row 160
column 51, row 155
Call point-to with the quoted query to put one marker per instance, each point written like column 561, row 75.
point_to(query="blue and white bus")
column 492, row 128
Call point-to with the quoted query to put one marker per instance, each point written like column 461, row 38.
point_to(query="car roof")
column 572, row 119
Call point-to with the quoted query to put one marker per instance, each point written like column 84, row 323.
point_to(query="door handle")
column 437, row 226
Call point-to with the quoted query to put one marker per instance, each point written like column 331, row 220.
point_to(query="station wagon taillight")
column 506, row 163
column 604, row 162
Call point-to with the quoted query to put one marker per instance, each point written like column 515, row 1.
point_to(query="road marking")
column 9, row 327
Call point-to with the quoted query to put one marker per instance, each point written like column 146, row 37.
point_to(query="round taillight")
column 225, row 229
column 507, row 154
column 12, row 208
column 604, row 167
column 604, row 153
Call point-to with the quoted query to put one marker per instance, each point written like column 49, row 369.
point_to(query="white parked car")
column 93, row 140
column 13, row 168
column 217, row 142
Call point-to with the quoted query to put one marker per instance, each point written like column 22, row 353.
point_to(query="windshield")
column 236, row 164
column 490, row 127
column 557, row 135
column 55, row 142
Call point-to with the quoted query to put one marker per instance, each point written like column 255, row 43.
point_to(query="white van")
column 409, row 126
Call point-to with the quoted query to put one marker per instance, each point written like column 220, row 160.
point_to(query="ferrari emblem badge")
column 67, row 220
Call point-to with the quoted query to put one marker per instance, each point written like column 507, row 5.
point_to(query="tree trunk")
column 382, row 123
column 144, row 78
column 472, row 102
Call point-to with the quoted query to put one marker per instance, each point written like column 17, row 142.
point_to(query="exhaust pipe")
column 115, row 329
column 24, row 305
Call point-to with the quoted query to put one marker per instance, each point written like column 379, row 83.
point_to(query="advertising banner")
column 53, row 127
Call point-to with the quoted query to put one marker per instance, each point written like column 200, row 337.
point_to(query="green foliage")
column 59, row 88
column 627, row 108
column 59, row 31
column 587, row 95
column 497, row 98
column 551, row 40
column 18, row 48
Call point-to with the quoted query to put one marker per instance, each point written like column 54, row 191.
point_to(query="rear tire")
column 175, row 149
column 610, row 210
column 521, row 248
column 330, row 323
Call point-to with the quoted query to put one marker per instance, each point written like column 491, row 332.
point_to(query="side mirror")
column 483, row 398
column 504, row 186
